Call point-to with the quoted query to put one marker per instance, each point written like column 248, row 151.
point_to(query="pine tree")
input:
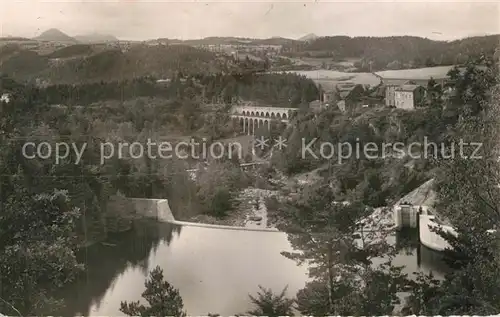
column 162, row 297
column 469, row 196
column 269, row 304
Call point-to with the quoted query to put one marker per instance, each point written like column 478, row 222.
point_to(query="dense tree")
column 471, row 85
column 287, row 90
column 38, row 224
column 269, row 304
column 338, row 240
column 37, row 248
column 434, row 94
column 468, row 195
column 344, row 161
column 162, row 297
column 218, row 185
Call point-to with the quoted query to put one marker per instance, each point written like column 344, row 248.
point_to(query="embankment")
column 433, row 240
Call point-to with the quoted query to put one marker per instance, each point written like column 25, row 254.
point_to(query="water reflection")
column 107, row 263
column 213, row 269
column 407, row 240
column 416, row 257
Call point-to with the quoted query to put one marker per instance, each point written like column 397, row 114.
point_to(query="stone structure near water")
column 429, row 238
column 158, row 209
column 415, row 211
column 421, row 218
column 405, row 215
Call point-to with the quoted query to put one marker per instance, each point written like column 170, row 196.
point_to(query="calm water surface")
column 213, row 269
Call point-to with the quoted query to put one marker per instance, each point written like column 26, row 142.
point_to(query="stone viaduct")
column 253, row 117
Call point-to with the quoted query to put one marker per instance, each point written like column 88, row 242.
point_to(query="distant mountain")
column 308, row 37
column 96, row 38
column 55, row 35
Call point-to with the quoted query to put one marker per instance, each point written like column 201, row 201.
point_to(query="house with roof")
column 350, row 92
column 330, row 97
column 344, row 94
column 409, row 96
column 341, row 105
column 392, row 80
column 347, row 95
column 374, row 95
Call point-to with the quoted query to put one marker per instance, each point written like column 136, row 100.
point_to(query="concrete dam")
column 159, row 209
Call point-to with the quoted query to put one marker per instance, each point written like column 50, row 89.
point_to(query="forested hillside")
column 397, row 51
column 72, row 51
column 377, row 182
column 274, row 90
column 468, row 194
column 240, row 40
column 130, row 111
column 22, row 64
column 81, row 63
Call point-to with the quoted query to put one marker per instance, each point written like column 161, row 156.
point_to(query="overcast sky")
column 138, row 19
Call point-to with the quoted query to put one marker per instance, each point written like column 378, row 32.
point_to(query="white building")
column 341, row 105
column 390, row 99
column 408, row 96
column 318, row 106
column 329, row 97
column 5, row 98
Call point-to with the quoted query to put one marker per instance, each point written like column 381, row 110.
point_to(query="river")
column 214, row 269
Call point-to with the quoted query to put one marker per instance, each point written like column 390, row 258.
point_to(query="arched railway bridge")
column 254, row 117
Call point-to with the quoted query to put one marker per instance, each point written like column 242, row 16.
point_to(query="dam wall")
column 431, row 239
column 159, row 209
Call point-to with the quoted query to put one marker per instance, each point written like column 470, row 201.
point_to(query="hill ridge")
column 96, row 37
column 55, row 35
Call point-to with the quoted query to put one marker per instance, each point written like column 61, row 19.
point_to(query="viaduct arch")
column 253, row 117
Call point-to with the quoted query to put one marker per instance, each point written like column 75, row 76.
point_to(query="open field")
column 328, row 79
column 318, row 61
column 325, row 63
column 438, row 72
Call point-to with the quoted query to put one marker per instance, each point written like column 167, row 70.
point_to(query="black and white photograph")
column 249, row 158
